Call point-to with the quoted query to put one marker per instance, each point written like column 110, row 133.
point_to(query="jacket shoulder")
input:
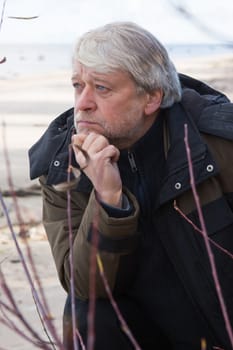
column 217, row 120
column 210, row 110
column 42, row 152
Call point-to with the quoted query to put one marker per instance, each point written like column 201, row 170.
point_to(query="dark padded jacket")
column 208, row 115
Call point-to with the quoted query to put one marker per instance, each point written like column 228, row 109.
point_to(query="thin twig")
column 92, row 284
column 43, row 324
column 218, row 246
column 123, row 323
column 195, row 20
column 23, row 230
column 207, row 243
column 2, row 261
column 42, row 307
column 3, row 60
column 15, row 310
column 23, row 17
column 94, row 261
column 80, row 340
column 2, row 13
column 9, row 323
column 71, row 258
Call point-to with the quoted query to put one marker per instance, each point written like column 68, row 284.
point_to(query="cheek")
column 121, row 108
column 121, row 112
column 110, row 113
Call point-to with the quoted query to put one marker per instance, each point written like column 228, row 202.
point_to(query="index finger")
column 77, row 141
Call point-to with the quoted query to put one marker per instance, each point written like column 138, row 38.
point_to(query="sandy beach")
column 28, row 104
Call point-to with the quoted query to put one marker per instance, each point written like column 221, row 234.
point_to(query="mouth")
column 86, row 125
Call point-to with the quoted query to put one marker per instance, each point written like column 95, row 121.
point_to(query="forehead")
column 83, row 72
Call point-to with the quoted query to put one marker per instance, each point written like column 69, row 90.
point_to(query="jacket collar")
column 55, row 138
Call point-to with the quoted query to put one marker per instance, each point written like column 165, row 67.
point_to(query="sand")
column 28, row 104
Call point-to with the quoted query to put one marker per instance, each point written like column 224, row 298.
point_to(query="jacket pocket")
column 218, row 218
column 217, row 215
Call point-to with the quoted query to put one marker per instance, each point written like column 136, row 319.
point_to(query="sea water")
column 28, row 59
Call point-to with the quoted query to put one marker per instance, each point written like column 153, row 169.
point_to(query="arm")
column 117, row 236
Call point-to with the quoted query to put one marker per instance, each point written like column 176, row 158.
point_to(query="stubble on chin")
column 120, row 137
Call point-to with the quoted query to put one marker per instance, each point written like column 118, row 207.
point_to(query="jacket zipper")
column 132, row 162
column 141, row 191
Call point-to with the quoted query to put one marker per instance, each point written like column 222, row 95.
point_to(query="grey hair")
column 128, row 47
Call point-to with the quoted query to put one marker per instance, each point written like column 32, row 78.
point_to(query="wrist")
column 111, row 199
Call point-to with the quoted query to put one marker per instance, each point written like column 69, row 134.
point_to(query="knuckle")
column 102, row 140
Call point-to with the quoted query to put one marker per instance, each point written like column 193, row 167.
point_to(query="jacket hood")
column 56, row 137
column 202, row 89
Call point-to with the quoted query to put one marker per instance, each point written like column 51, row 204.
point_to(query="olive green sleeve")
column 87, row 219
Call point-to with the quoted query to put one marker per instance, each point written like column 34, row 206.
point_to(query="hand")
column 98, row 160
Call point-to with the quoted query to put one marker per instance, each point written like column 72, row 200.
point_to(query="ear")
column 154, row 100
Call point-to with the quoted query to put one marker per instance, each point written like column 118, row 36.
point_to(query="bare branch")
column 3, row 60
column 23, row 17
column 2, row 13
column 23, row 230
column 225, row 251
column 43, row 307
column 71, row 258
column 15, row 310
column 123, row 323
column 206, row 241
column 199, row 24
column 1, row 22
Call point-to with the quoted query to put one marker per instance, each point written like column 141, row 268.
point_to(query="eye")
column 101, row 88
column 77, row 85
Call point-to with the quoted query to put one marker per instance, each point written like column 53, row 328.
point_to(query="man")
column 127, row 136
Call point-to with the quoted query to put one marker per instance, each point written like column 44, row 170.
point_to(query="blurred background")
column 38, row 35
column 61, row 21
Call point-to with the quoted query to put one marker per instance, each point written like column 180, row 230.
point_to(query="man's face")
column 109, row 104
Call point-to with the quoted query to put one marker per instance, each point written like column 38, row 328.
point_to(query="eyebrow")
column 73, row 77
column 100, row 80
column 96, row 80
column 94, row 76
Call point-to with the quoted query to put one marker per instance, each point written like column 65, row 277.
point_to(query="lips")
column 85, row 122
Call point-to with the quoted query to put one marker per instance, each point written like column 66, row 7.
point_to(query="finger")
column 82, row 159
column 95, row 144
column 77, row 142
column 78, row 139
column 111, row 152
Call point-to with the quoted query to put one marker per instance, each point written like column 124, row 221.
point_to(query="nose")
column 85, row 101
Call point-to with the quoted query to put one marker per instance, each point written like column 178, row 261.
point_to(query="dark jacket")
column 208, row 115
